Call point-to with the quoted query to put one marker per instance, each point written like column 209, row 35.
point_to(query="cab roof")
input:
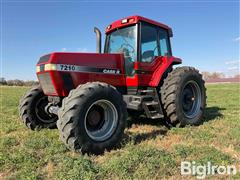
column 134, row 20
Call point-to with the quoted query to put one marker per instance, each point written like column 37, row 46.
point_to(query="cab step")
column 148, row 101
column 152, row 103
column 157, row 116
column 152, row 109
column 146, row 91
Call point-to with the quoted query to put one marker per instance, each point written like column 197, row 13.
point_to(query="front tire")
column 92, row 118
column 183, row 96
column 32, row 110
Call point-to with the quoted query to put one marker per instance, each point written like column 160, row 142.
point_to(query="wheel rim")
column 41, row 113
column 101, row 120
column 191, row 99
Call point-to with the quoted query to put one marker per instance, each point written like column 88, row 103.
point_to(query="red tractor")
column 89, row 95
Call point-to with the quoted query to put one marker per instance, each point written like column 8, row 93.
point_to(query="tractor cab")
column 145, row 44
column 139, row 40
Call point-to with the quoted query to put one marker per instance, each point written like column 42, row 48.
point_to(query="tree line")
column 17, row 82
column 216, row 75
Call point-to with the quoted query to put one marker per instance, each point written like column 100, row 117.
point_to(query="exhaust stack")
column 98, row 40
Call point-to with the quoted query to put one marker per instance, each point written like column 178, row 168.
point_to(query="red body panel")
column 133, row 20
column 111, row 61
column 87, row 59
column 152, row 72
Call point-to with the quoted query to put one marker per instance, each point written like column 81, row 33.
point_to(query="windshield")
column 124, row 41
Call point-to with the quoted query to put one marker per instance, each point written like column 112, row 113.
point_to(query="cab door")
column 148, row 52
column 154, row 47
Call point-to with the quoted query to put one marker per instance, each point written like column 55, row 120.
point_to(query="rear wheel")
column 32, row 110
column 183, row 96
column 92, row 118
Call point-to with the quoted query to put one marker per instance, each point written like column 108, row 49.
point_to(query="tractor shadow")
column 141, row 137
column 161, row 127
column 213, row 113
column 145, row 121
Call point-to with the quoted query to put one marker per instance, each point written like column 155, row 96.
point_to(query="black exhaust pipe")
column 99, row 40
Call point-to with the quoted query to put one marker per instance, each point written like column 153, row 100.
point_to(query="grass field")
column 149, row 150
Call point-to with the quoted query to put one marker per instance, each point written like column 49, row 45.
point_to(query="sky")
column 205, row 33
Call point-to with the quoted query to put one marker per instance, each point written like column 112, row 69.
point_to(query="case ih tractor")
column 90, row 95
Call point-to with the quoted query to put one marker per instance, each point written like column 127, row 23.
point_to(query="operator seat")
column 148, row 56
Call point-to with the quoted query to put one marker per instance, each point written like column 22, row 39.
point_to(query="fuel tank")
column 59, row 72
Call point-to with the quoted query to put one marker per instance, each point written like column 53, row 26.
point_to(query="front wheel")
column 183, row 96
column 92, row 118
column 32, row 110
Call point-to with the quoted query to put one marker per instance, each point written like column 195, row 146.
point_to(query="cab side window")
column 149, row 44
column 164, row 43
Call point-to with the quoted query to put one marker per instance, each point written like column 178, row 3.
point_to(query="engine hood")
column 94, row 60
column 60, row 72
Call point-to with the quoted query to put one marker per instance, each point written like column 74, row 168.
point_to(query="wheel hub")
column 101, row 120
column 95, row 117
column 191, row 99
column 41, row 113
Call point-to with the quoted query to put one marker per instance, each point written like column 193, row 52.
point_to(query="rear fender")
column 166, row 62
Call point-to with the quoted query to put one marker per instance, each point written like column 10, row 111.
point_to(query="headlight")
column 46, row 67
column 49, row 67
column 38, row 69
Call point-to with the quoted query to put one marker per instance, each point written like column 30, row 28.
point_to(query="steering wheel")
column 155, row 49
column 128, row 45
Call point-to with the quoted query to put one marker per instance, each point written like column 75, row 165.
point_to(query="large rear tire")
column 92, row 118
column 183, row 96
column 32, row 110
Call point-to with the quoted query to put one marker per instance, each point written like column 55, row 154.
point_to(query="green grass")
column 148, row 151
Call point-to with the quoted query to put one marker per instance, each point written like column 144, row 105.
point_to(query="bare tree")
column 3, row 81
column 213, row 75
column 217, row 75
column 15, row 82
column 206, row 75
column 237, row 76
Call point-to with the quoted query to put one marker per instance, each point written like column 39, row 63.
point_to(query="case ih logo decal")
column 111, row 71
column 74, row 68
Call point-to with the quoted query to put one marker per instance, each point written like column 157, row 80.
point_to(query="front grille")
column 44, row 58
column 68, row 82
column 46, row 83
